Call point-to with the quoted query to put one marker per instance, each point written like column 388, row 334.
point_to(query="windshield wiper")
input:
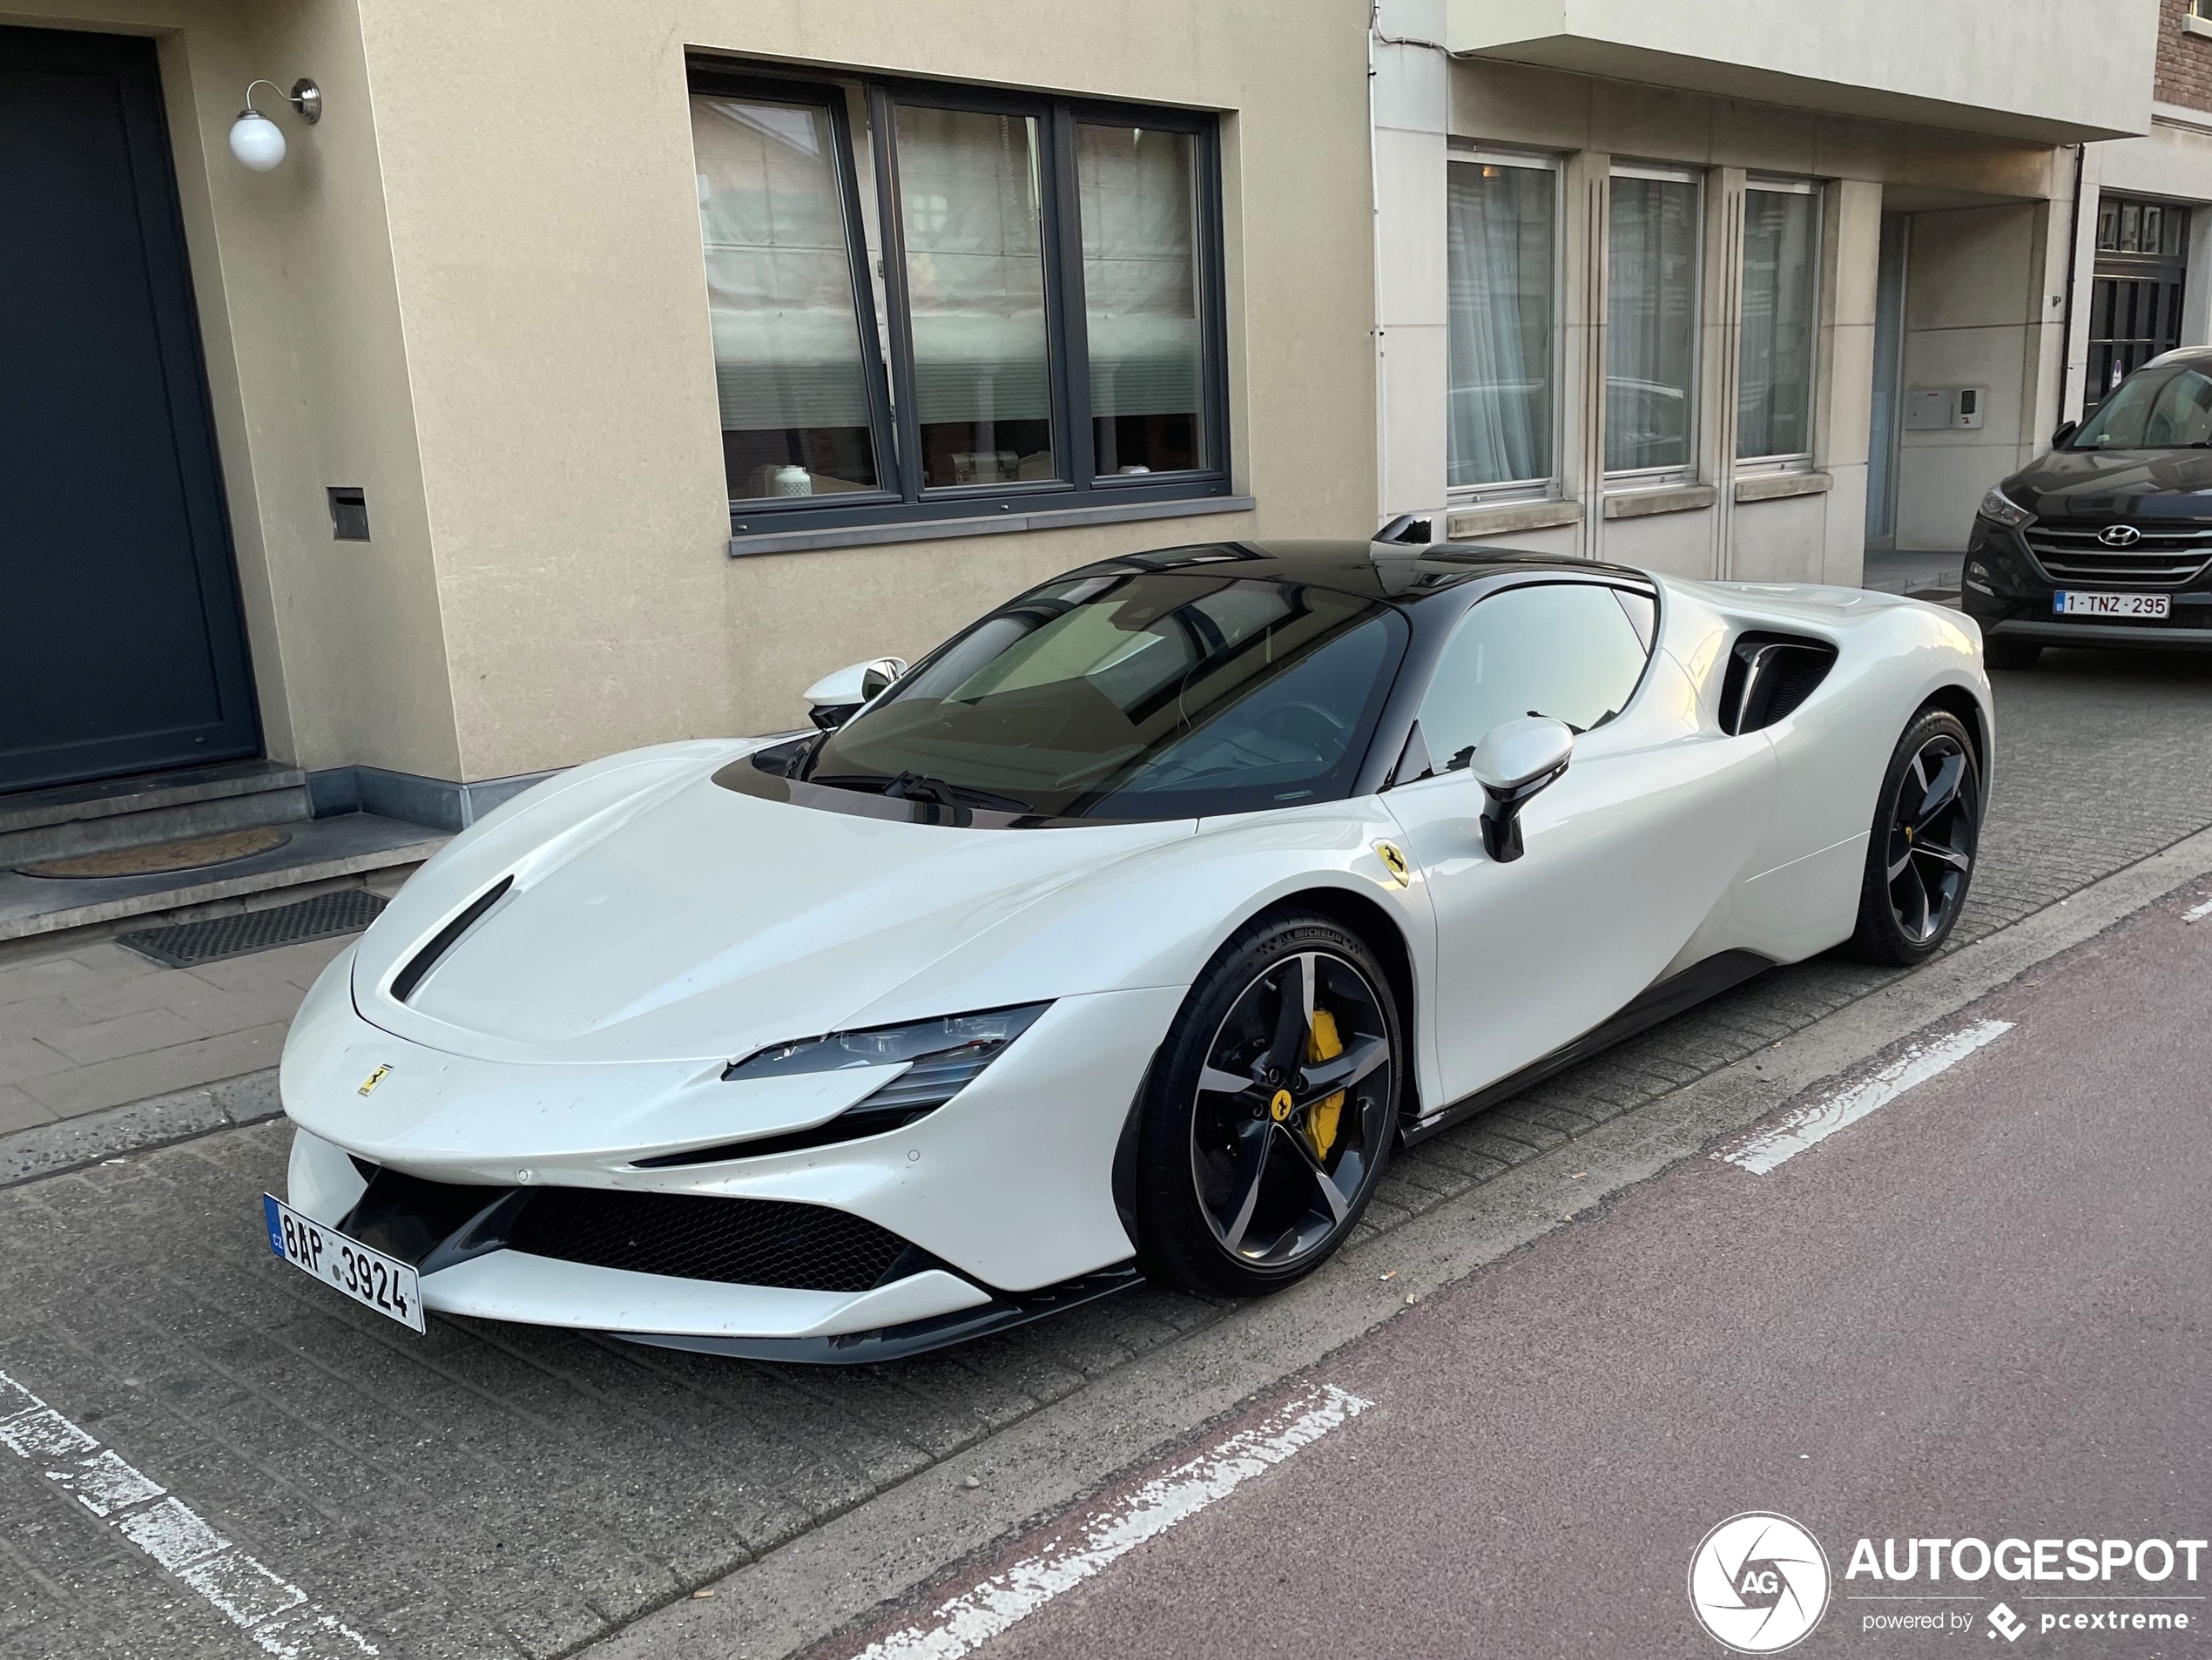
column 915, row 787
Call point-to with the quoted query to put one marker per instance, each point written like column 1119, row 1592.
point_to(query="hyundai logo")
column 2120, row 536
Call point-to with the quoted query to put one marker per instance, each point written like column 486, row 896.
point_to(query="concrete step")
column 320, row 849
column 149, row 807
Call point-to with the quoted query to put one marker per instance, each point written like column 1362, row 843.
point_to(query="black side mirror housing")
column 2066, row 431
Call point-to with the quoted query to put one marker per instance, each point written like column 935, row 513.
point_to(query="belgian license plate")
column 370, row 1277
column 2068, row 602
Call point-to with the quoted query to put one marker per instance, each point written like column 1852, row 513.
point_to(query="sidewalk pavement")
column 92, row 1026
column 101, row 1026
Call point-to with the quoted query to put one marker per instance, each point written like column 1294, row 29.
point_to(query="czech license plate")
column 370, row 1277
column 2068, row 602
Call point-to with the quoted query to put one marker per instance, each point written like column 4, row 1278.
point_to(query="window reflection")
column 1498, row 322
column 1141, row 297
column 1652, row 323
column 971, row 200
column 788, row 369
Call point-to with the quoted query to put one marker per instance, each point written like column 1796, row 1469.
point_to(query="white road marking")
column 272, row 1610
column 956, row 1627
column 2197, row 914
column 1822, row 1118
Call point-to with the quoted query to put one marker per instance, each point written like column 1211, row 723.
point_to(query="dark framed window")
column 941, row 303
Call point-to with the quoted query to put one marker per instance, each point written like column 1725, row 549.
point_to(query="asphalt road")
column 1981, row 1310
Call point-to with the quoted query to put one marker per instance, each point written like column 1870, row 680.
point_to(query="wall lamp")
column 257, row 141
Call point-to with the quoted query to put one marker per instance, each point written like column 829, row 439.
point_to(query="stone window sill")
column 1060, row 518
column 1505, row 518
column 1767, row 487
column 1674, row 498
column 2193, row 25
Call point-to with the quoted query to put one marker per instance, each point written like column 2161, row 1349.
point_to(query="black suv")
column 2107, row 540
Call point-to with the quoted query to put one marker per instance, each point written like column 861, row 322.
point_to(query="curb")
column 140, row 1126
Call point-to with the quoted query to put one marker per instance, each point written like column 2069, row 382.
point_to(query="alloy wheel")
column 1931, row 838
column 1293, row 1109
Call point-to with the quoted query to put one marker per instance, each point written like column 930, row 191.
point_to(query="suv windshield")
column 2168, row 408
column 1144, row 694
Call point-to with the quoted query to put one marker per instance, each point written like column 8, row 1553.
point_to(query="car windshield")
column 2168, row 408
column 1143, row 694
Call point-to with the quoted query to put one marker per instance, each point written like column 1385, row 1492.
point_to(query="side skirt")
column 1675, row 994
column 916, row 1337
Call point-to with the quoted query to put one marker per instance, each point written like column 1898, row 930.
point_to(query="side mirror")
column 2059, row 438
column 836, row 698
column 1515, row 761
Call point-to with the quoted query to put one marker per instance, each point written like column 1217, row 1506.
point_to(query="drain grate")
column 185, row 943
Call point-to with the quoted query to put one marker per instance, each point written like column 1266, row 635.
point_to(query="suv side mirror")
column 2065, row 431
column 1515, row 761
column 836, row 698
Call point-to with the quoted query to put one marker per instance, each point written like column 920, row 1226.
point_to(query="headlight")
column 941, row 1055
column 2001, row 509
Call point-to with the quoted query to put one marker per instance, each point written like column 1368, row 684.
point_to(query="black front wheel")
column 1920, row 855
column 1270, row 1110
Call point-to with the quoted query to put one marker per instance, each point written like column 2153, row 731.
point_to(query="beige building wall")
column 545, row 234
column 1985, row 300
column 475, row 289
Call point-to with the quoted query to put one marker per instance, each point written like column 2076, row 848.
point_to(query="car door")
column 1628, row 853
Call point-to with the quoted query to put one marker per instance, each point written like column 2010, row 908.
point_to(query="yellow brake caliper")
column 1322, row 1043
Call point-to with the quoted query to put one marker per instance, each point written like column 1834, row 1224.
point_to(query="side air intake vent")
column 1769, row 675
column 407, row 979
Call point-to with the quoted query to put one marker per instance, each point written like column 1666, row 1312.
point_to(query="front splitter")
column 915, row 1337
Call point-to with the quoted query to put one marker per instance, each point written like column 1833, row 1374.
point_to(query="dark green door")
column 120, row 645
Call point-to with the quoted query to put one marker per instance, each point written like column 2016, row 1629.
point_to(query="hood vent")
column 405, row 982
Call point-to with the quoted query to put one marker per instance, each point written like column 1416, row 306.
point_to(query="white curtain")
column 1774, row 389
column 1498, row 322
column 1651, row 322
column 1140, row 269
column 970, row 190
column 787, row 348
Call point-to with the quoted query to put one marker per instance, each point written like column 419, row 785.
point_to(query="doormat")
column 194, row 853
column 183, row 944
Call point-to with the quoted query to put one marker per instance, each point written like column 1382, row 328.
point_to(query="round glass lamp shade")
column 257, row 141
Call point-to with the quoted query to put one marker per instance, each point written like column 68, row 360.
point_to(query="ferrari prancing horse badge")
column 1394, row 862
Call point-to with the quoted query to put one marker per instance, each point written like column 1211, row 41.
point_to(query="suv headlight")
column 2001, row 509
column 942, row 1056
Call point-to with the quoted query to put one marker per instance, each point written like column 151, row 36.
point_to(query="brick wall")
column 2184, row 73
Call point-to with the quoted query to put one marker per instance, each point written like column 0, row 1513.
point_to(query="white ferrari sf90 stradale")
column 1125, row 935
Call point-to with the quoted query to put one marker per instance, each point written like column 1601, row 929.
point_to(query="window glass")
column 1565, row 650
column 788, row 366
column 2128, row 226
column 1652, row 323
column 1156, row 694
column 1139, row 191
column 1774, row 390
column 2168, row 408
column 971, row 200
column 1499, row 269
